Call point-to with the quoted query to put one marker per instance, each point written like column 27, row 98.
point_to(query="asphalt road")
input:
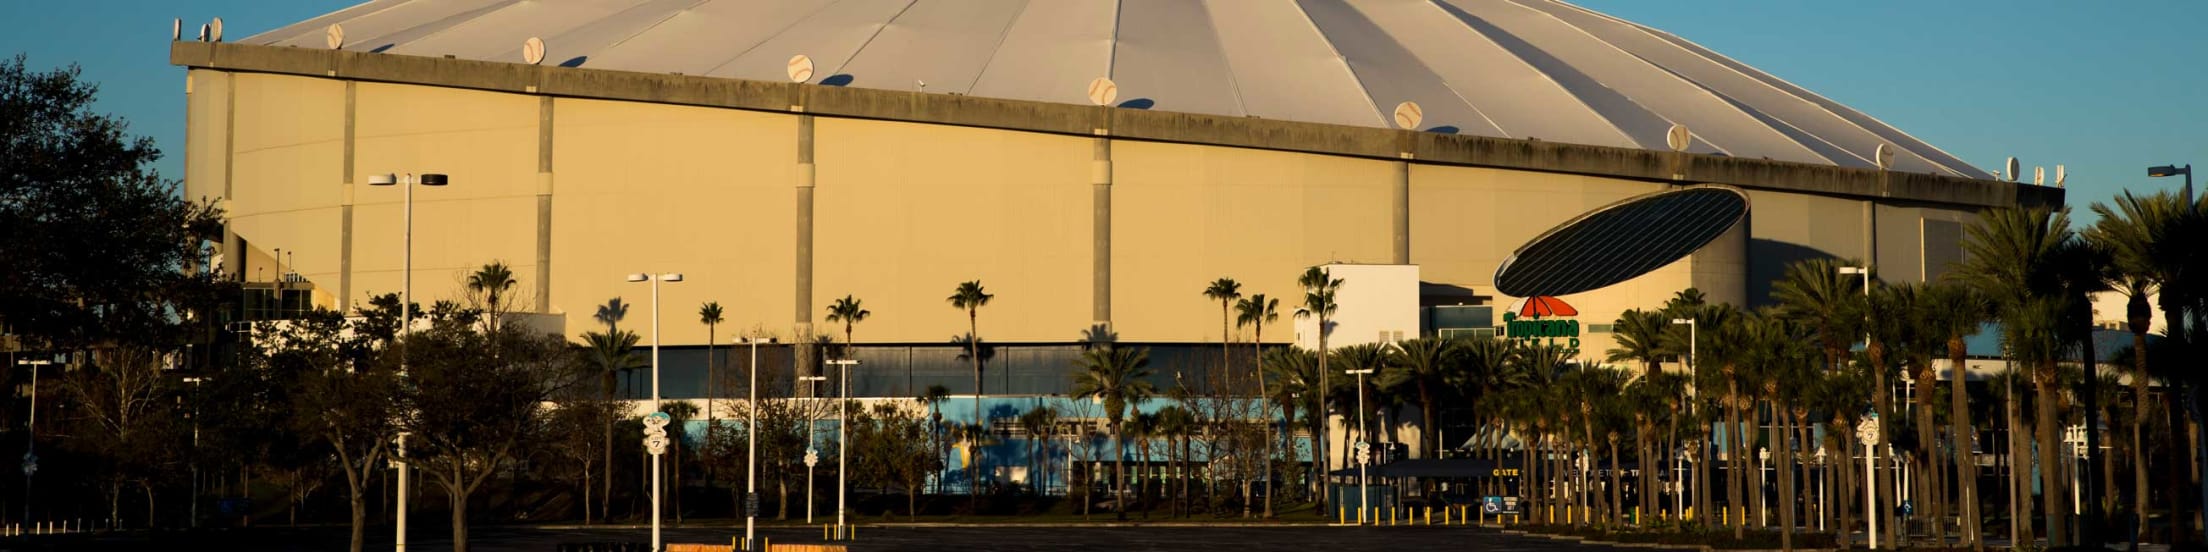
column 1016, row 538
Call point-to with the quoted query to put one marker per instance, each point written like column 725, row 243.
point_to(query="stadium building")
column 919, row 144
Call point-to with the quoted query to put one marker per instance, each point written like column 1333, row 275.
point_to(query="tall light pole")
column 843, row 439
column 751, row 442
column 812, row 457
column 406, row 314
column 1364, row 448
column 1867, row 432
column 30, row 436
column 656, row 451
column 1870, row 469
column 2174, row 170
column 195, row 381
column 1694, row 340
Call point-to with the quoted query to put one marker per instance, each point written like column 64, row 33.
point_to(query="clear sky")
column 2105, row 88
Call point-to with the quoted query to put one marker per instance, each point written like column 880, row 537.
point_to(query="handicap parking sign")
column 1492, row 505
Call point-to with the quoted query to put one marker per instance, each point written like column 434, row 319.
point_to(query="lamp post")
column 1679, row 484
column 1364, row 448
column 195, row 381
column 656, row 451
column 30, row 436
column 751, row 442
column 812, row 457
column 1763, row 459
column 843, row 439
column 1867, row 432
column 1823, row 508
column 1871, row 473
column 2174, row 170
column 406, row 313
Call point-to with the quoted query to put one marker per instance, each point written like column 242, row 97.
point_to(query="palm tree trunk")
column 2139, row 419
column 1926, row 465
column 1650, row 467
column 1962, row 434
column 973, row 469
column 1735, row 478
column 1782, row 440
column 1119, row 473
column 2020, row 504
column 1842, row 470
column 2051, row 477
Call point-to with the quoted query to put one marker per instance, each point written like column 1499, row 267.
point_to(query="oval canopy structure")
column 1620, row 241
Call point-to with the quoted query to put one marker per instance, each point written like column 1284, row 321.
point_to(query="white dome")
column 1528, row 69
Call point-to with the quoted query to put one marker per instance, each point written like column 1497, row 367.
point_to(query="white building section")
column 1376, row 304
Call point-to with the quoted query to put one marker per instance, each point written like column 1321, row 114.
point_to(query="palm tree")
column 491, row 281
column 2136, row 232
column 1427, row 363
column 1225, row 291
column 611, row 314
column 970, row 297
column 1257, row 311
column 1953, row 313
column 849, row 312
column 1640, row 335
column 934, row 397
column 2014, row 256
column 610, row 353
column 709, row 314
column 1319, row 288
column 1297, row 371
column 1177, row 425
column 1117, row 377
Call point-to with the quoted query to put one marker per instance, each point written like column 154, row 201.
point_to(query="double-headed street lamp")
column 2174, row 170
column 843, row 440
column 1364, row 447
column 751, row 442
column 406, row 313
column 1693, row 340
column 656, row 451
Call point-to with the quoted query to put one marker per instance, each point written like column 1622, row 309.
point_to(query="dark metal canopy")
column 1620, row 241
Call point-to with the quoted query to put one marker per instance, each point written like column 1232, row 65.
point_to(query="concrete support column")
column 802, row 341
column 345, row 209
column 544, row 205
column 1399, row 215
column 233, row 247
column 1100, row 186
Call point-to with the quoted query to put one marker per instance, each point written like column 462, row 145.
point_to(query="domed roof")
column 1528, row 69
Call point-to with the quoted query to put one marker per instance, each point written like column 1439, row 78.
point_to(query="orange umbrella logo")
column 1542, row 306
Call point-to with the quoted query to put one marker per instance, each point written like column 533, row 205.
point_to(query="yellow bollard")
column 1429, row 515
column 1345, row 515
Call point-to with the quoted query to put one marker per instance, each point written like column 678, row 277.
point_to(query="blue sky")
column 2103, row 88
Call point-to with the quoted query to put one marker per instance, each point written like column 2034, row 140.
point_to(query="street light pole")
column 1694, row 340
column 751, row 442
column 195, row 381
column 1364, row 448
column 30, row 436
column 843, row 440
column 656, row 452
column 406, row 315
column 1867, row 432
column 811, row 458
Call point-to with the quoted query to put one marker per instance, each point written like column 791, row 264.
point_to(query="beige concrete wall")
column 1185, row 215
column 904, row 212
column 207, row 114
column 288, row 148
column 654, row 188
